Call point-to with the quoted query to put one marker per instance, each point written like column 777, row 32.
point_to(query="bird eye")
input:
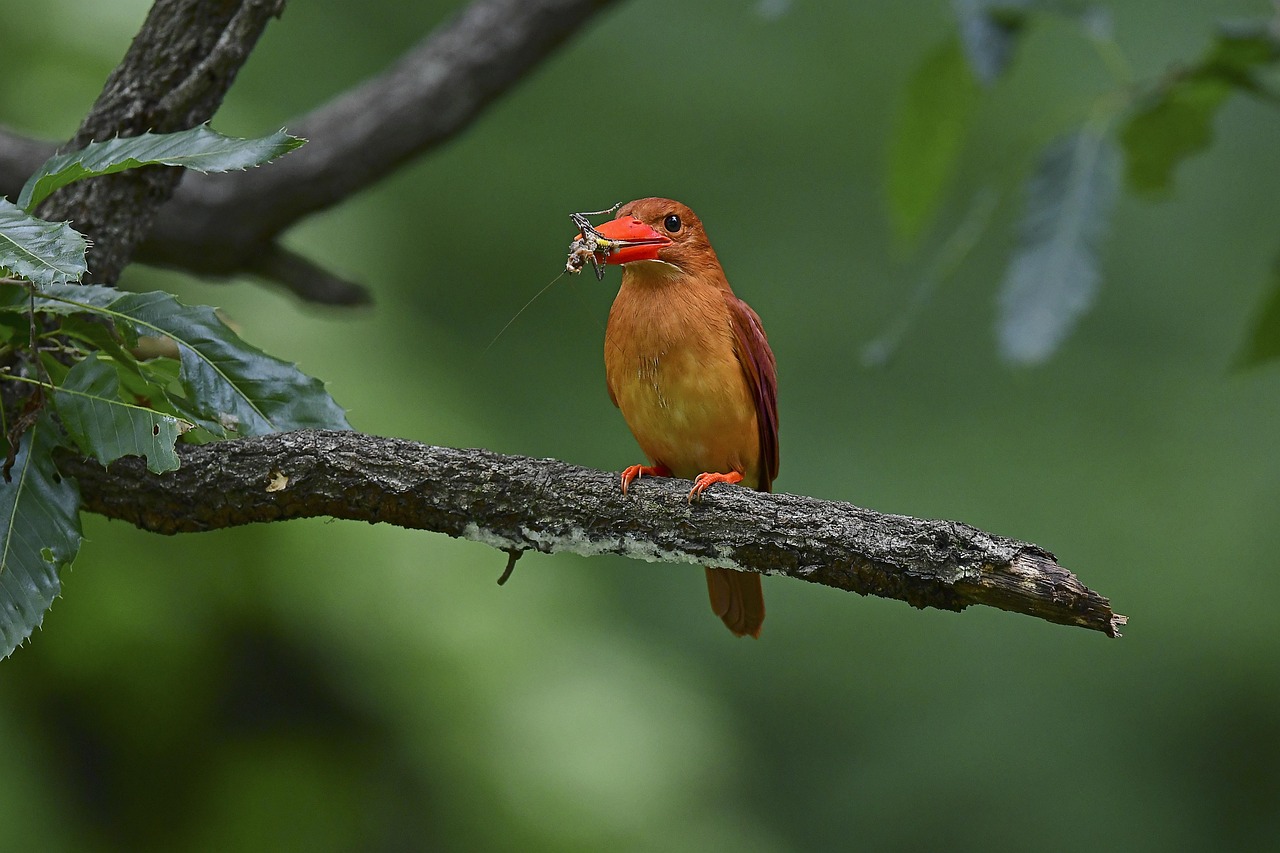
column 671, row 223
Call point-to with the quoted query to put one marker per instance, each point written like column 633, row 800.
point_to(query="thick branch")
column 221, row 225
column 513, row 502
column 173, row 77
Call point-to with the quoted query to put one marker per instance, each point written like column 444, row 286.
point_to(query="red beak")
column 632, row 240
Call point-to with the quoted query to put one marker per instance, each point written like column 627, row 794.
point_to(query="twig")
column 513, row 554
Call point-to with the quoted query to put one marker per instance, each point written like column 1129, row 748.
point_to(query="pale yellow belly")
column 689, row 409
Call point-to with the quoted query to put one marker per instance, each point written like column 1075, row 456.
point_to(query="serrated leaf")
column 106, row 427
column 989, row 31
column 40, row 251
column 1053, row 276
column 1176, row 121
column 200, row 149
column 1264, row 342
column 230, row 385
column 39, row 535
column 933, row 120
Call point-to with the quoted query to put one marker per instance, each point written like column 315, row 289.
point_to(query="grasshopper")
column 590, row 245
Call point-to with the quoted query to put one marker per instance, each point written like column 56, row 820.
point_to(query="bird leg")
column 635, row 472
column 707, row 480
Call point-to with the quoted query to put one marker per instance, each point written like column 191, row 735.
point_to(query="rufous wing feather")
column 761, row 373
column 737, row 597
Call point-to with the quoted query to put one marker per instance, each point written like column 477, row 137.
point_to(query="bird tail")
column 736, row 597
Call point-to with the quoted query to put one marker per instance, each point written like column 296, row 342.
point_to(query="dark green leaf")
column 105, row 427
column 199, row 148
column 932, row 123
column 13, row 298
column 1053, row 276
column 14, row 326
column 230, row 386
column 1175, row 126
column 1176, row 121
column 93, row 333
column 1264, row 343
column 39, row 535
column 1241, row 48
column 55, row 369
column 154, row 384
column 163, row 372
column 43, row 252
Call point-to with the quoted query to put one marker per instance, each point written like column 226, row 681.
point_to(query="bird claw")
column 635, row 472
column 708, row 479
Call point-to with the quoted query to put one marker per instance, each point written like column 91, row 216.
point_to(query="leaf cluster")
column 1135, row 136
column 109, row 373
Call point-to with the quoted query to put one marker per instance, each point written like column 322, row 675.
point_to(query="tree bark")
column 174, row 76
column 516, row 503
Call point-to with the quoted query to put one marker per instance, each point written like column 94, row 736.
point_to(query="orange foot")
column 635, row 472
column 706, row 481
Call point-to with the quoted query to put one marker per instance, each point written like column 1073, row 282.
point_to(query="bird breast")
column 672, row 368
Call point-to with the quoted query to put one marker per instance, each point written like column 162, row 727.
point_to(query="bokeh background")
column 334, row 686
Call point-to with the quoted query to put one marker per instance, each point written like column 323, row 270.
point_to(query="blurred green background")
column 333, row 686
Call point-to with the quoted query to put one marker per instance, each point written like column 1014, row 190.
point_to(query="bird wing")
column 761, row 372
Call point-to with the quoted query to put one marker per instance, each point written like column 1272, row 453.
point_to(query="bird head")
column 658, row 230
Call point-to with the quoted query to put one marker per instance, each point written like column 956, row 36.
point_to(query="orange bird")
column 688, row 364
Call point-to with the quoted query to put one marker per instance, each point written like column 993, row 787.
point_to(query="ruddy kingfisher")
column 688, row 364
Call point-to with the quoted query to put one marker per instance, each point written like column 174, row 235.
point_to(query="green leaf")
column 94, row 334
column 937, row 107
column 162, row 372
column 13, row 297
column 200, row 149
column 1053, row 275
column 230, row 386
column 39, row 535
column 1176, row 121
column 1176, row 125
column 1239, row 49
column 105, row 427
column 154, row 384
column 42, row 252
column 15, row 327
column 56, row 370
column 1264, row 344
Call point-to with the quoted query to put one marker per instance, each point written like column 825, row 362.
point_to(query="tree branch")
column 222, row 225
column 517, row 503
column 174, row 76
